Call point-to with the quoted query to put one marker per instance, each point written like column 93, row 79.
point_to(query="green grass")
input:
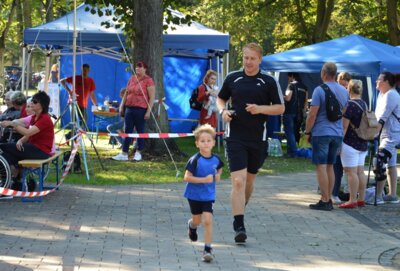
column 161, row 170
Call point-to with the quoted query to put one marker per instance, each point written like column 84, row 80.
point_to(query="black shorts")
column 246, row 154
column 198, row 207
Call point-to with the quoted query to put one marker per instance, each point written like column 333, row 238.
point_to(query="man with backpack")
column 324, row 123
column 295, row 102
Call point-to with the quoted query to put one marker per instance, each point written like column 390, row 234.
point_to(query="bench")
column 39, row 167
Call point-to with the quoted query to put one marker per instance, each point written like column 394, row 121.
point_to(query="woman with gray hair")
column 18, row 100
column 11, row 112
column 354, row 148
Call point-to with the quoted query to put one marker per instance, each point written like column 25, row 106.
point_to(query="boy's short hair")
column 205, row 128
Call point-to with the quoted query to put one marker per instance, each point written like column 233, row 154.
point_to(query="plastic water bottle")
column 107, row 101
column 273, row 148
column 107, row 104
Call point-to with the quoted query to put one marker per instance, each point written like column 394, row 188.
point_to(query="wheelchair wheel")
column 5, row 173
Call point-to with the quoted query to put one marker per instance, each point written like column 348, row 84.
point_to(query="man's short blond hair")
column 205, row 128
column 254, row 47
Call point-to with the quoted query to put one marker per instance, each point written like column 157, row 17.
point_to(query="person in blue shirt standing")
column 202, row 171
column 327, row 136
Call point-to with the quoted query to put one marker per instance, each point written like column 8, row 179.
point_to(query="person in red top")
column 206, row 92
column 136, row 106
column 38, row 138
column 84, row 87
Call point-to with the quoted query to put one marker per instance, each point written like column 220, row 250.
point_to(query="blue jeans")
column 324, row 149
column 114, row 128
column 134, row 118
column 289, row 123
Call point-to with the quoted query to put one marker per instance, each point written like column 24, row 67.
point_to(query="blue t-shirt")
column 322, row 126
column 201, row 166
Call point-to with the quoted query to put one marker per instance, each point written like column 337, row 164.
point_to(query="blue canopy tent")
column 354, row 54
column 188, row 52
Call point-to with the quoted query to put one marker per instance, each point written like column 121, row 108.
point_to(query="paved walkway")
column 143, row 227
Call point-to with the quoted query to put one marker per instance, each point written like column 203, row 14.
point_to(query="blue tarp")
column 91, row 33
column 187, row 54
column 353, row 53
column 181, row 76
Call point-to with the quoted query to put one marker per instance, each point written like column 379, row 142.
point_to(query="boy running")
column 202, row 171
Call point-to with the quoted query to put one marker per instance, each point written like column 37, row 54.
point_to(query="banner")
column 53, row 91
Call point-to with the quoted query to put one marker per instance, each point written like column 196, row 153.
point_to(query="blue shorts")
column 324, row 149
column 246, row 154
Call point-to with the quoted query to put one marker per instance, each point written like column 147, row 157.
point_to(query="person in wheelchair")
column 37, row 139
column 11, row 112
column 16, row 104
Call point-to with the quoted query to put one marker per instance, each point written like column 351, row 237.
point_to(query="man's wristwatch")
column 222, row 111
column 307, row 133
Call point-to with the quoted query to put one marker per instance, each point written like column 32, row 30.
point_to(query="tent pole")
column 46, row 72
column 227, row 63
column 23, row 71
column 218, row 115
column 370, row 94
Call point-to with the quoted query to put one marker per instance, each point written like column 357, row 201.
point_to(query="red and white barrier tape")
column 146, row 135
column 15, row 193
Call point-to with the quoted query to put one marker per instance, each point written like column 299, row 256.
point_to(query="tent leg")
column 23, row 71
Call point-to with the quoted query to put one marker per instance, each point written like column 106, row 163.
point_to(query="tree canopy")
column 277, row 25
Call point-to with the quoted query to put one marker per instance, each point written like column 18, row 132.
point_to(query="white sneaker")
column 120, row 157
column 379, row 201
column 336, row 200
column 137, row 156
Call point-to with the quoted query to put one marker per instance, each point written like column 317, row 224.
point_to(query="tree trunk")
column 302, row 21
column 324, row 12
column 393, row 22
column 26, row 11
column 48, row 5
column 147, row 46
column 3, row 36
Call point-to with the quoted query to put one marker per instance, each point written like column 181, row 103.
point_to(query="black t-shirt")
column 296, row 103
column 354, row 114
column 261, row 89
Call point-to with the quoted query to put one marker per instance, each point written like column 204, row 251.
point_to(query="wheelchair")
column 7, row 135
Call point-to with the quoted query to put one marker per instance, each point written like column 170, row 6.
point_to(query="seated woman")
column 11, row 112
column 38, row 138
column 18, row 100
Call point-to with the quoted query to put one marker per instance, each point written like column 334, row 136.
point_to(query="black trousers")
column 13, row 155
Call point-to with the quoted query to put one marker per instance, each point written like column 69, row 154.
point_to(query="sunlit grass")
column 159, row 170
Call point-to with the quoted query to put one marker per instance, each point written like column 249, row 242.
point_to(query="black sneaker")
column 330, row 204
column 322, row 206
column 240, row 235
column 192, row 233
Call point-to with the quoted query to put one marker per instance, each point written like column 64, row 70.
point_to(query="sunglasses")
column 34, row 101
